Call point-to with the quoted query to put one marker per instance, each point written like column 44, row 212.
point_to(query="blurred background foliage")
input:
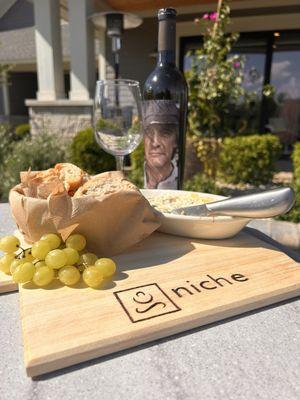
column 242, row 160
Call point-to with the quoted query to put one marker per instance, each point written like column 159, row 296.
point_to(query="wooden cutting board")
column 6, row 283
column 165, row 285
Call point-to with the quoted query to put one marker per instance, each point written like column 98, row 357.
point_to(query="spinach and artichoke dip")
column 166, row 203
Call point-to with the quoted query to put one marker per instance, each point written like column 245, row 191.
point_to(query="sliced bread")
column 104, row 184
column 71, row 175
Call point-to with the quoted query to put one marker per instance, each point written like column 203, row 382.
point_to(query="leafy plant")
column 208, row 151
column 296, row 163
column 21, row 131
column 4, row 73
column 87, row 154
column 215, row 78
column 7, row 138
column 7, row 142
column 294, row 214
column 203, row 183
column 249, row 159
column 38, row 153
column 136, row 174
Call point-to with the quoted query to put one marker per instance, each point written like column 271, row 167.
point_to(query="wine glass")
column 118, row 117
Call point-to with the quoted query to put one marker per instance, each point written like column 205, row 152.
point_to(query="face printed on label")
column 161, row 128
column 160, row 145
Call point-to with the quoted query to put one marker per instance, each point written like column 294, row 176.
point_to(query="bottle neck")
column 166, row 41
column 166, row 57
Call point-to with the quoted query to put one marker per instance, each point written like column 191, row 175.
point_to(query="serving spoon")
column 258, row 205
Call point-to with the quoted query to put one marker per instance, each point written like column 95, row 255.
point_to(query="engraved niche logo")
column 150, row 301
column 145, row 302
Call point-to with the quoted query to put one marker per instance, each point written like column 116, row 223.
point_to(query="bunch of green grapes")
column 50, row 258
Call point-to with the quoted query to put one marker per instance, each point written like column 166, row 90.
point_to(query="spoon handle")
column 259, row 205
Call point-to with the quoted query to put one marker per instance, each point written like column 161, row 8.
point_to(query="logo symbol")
column 145, row 302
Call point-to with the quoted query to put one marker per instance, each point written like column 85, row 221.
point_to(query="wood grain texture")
column 63, row 326
column 6, row 283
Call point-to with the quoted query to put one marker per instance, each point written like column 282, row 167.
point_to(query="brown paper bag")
column 111, row 223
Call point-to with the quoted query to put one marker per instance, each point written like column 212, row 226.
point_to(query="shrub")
column 249, row 159
column 22, row 131
column 6, row 146
column 6, row 142
column 137, row 164
column 208, row 152
column 296, row 163
column 203, row 183
column 87, row 154
column 294, row 214
column 37, row 152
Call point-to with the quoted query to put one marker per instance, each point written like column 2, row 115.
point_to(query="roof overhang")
column 148, row 8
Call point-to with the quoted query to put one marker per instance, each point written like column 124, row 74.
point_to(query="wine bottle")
column 164, row 112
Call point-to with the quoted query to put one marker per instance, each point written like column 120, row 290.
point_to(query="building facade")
column 58, row 54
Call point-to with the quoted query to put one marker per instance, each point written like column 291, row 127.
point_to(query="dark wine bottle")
column 164, row 112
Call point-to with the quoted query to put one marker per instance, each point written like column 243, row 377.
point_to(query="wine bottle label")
column 161, row 132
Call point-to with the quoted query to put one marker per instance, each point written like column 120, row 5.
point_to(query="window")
column 285, row 77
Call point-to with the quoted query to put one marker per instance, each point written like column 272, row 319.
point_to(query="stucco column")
column 82, row 50
column 48, row 50
column 101, row 48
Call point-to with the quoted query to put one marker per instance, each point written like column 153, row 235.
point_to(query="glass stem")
column 120, row 163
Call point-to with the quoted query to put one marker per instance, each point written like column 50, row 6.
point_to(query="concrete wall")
column 62, row 117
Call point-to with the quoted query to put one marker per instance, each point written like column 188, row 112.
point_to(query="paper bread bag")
column 111, row 221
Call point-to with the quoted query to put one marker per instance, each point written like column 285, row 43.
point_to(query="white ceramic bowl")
column 218, row 227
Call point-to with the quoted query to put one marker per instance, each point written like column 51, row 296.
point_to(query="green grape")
column 56, row 259
column 76, row 242
column 5, row 262
column 43, row 276
column 15, row 264
column 9, row 244
column 24, row 272
column 52, row 239
column 40, row 249
column 40, row 264
column 72, row 255
column 69, row 275
column 107, row 266
column 88, row 258
column 92, row 276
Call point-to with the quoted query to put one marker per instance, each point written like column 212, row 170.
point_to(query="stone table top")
column 253, row 356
